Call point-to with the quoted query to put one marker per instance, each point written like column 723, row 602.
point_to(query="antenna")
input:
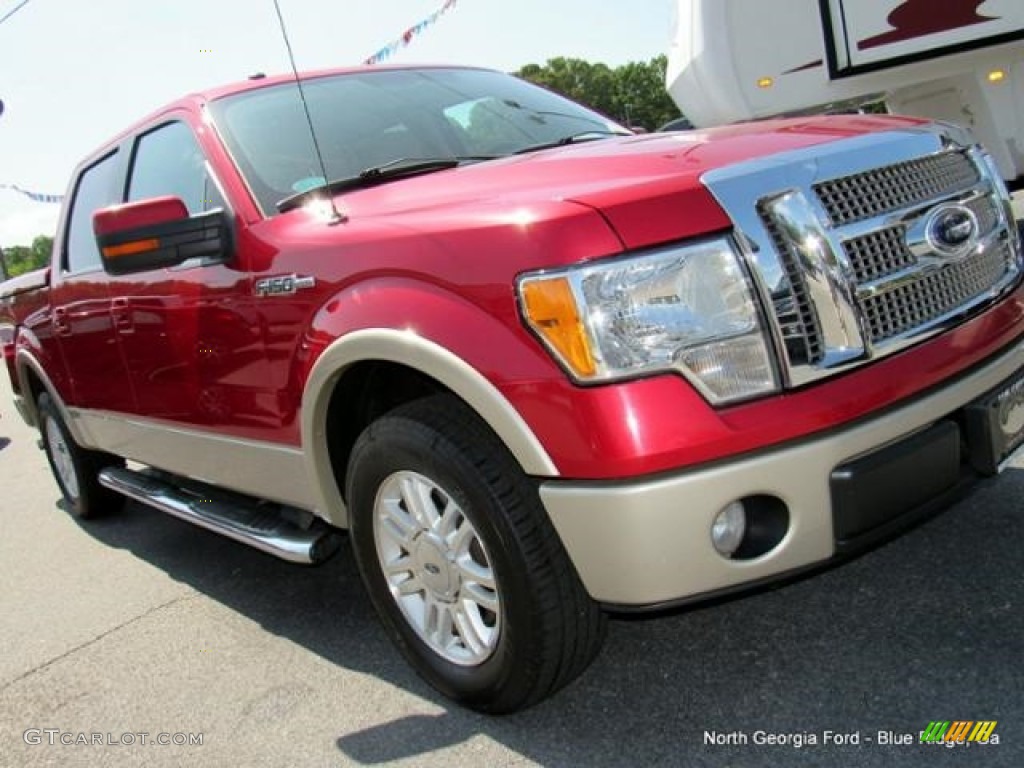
column 335, row 215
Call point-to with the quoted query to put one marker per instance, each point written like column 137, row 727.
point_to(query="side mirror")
column 157, row 233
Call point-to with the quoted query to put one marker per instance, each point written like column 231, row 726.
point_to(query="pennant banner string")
column 35, row 196
column 14, row 11
column 406, row 37
column 384, row 53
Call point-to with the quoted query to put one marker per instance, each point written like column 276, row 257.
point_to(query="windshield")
column 368, row 119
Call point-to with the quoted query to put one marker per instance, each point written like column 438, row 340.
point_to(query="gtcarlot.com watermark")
column 56, row 737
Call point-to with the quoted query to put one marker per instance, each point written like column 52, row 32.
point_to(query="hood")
column 647, row 187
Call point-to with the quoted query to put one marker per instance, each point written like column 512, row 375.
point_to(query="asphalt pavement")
column 124, row 632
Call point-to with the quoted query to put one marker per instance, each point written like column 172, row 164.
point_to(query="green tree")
column 633, row 93
column 641, row 95
column 20, row 259
column 590, row 84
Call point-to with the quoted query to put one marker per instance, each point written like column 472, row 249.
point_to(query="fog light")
column 728, row 529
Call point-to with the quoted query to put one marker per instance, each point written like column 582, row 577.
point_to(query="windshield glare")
column 367, row 119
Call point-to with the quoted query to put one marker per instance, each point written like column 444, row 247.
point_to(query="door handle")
column 122, row 315
column 61, row 324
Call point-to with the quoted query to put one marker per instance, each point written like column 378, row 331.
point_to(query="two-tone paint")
column 199, row 371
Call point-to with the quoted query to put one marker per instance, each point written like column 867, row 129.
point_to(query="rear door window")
column 97, row 188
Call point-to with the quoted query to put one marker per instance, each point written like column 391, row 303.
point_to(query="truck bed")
column 19, row 297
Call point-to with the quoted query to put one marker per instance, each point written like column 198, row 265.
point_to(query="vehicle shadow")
column 927, row 625
column 4, row 442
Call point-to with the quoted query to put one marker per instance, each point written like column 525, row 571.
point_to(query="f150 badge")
column 283, row 285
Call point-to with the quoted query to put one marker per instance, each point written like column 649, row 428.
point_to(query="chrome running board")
column 285, row 532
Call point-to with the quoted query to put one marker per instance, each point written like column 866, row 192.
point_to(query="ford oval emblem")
column 952, row 230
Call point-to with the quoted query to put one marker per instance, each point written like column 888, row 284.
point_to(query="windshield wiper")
column 539, row 114
column 399, row 168
column 573, row 138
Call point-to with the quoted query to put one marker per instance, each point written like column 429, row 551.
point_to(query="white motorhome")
column 956, row 60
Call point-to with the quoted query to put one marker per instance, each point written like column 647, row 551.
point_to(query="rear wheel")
column 462, row 562
column 76, row 469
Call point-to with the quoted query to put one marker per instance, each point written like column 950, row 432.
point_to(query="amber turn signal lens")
column 127, row 249
column 550, row 308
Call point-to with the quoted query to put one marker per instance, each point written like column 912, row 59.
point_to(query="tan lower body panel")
column 260, row 469
column 648, row 541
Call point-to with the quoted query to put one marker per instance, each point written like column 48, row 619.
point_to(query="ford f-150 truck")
column 537, row 367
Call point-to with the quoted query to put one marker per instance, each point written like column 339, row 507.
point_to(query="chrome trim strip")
column 825, row 270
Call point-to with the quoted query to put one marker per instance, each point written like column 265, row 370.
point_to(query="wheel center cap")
column 435, row 568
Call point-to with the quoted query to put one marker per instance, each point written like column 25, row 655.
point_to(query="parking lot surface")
column 139, row 629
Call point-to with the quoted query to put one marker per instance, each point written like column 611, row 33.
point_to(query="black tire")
column 82, row 492
column 547, row 629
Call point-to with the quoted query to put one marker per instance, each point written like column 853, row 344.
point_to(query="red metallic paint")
column 86, row 338
column 418, row 272
column 647, row 187
column 35, row 341
column 661, row 424
column 142, row 213
column 439, row 255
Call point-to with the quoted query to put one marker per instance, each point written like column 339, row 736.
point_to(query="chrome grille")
column 885, row 252
column 872, row 193
column 987, row 212
column 840, row 238
column 911, row 305
column 793, row 307
column 879, row 253
column 928, row 294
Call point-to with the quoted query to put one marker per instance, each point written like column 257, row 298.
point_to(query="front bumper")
column 647, row 542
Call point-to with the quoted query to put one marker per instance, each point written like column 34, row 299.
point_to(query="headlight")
column 1003, row 193
column 688, row 309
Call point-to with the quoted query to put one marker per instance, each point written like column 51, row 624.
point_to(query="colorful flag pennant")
column 406, row 37
column 38, row 197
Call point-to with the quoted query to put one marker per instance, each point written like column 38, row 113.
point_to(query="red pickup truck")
column 538, row 367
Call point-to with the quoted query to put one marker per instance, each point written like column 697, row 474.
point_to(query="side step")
column 285, row 532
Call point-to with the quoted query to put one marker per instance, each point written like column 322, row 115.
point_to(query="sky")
column 75, row 72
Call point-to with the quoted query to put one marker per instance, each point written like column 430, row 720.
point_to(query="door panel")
column 193, row 350
column 80, row 300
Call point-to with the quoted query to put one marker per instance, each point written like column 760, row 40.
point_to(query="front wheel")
column 462, row 562
column 76, row 469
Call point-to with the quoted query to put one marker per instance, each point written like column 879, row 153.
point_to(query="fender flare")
column 25, row 361
column 429, row 358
